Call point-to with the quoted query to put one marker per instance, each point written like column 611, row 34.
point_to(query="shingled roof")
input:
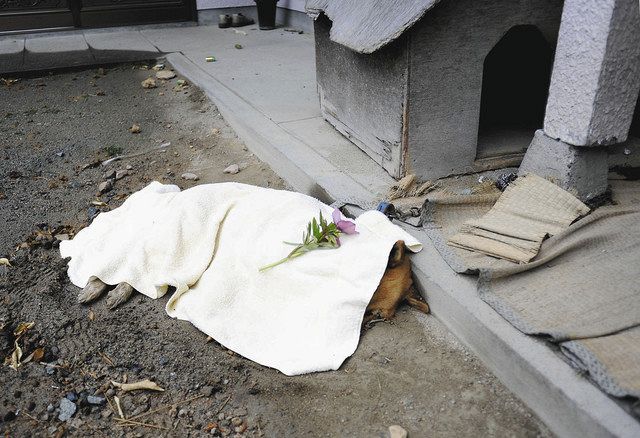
column 367, row 25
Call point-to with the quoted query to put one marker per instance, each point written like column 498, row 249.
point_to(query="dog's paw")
column 92, row 291
column 119, row 295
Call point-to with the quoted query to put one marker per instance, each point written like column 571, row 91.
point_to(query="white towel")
column 209, row 242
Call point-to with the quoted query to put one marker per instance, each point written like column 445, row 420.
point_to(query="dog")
column 396, row 286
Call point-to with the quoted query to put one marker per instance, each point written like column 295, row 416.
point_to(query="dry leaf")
column 14, row 359
column 149, row 83
column 36, row 356
column 5, row 262
column 143, row 384
column 22, row 328
column 99, row 203
column 91, row 315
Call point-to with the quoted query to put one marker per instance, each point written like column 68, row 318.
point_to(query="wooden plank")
column 363, row 96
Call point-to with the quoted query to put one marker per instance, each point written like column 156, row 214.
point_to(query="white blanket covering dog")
column 209, row 242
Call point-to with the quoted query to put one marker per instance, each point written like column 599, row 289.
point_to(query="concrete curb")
column 569, row 404
column 76, row 48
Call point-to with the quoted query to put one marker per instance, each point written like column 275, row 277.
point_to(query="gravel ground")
column 53, row 130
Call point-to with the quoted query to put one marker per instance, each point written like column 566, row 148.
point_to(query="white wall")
column 296, row 5
column 210, row 4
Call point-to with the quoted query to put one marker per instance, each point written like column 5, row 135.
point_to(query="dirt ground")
column 411, row 372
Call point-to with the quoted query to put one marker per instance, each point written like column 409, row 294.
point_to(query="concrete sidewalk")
column 266, row 91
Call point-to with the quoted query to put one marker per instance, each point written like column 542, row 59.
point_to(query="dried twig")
column 117, row 401
column 106, row 358
column 223, row 405
column 31, row 416
column 144, row 414
column 110, row 404
column 137, row 154
column 143, row 384
column 129, row 422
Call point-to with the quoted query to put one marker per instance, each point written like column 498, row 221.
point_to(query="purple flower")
column 344, row 225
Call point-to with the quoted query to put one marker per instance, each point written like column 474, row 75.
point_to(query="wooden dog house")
column 432, row 87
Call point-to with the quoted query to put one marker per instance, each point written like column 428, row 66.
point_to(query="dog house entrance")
column 515, row 85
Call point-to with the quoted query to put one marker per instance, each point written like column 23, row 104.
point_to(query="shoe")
column 224, row 21
column 238, row 20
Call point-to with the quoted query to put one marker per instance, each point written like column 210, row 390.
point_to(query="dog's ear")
column 397, row 254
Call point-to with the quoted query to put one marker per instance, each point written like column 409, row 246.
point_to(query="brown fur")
column 395, row 287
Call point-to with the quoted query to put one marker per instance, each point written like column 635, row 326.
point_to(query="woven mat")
column 581, row 290
column 612, row 361
column 528, row 211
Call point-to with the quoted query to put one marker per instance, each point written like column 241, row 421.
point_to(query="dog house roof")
column 367, row 25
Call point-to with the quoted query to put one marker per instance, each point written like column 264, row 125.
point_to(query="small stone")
column 207, row 391
column 238, row 46
column 67, row 409
column 135, row 129
column 148, row 83
column 182, row 413
column 396, row 431
column 236, row 421
column 110, row 174
column 165, row 74
column 158, row 67
column 627, row 151
column 92, row 212
column 110, row 392
column 50, row 408
column 72, row 396
column 221, row 416
column 31, row 406
column 190, row 176
column 60, row 154
column 105, row 186
column 95, row 400
column 129, row 167
column 233, row 169
column 240, row 412
column 76, row 423
column 121, row 174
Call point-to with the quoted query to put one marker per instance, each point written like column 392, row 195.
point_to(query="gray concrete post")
column 593, row 92
column 596, row 73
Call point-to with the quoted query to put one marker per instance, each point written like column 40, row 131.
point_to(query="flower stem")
column 279, row 262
